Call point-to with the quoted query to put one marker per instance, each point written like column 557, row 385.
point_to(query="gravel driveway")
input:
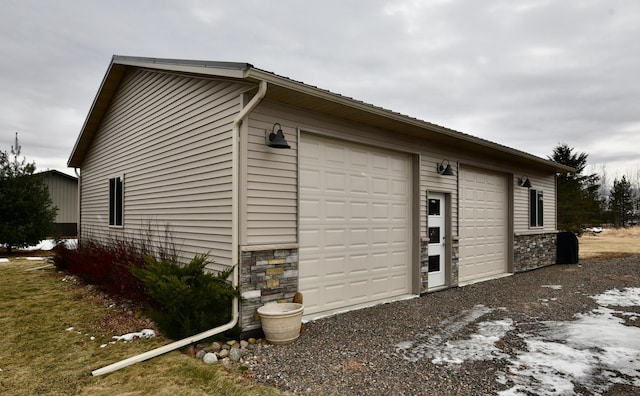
column 481, row 339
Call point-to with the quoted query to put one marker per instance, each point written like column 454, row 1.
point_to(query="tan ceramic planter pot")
column 281, row 322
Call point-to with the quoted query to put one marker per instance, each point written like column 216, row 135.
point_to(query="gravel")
column 355, row 353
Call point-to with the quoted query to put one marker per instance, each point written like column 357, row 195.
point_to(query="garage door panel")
column 356, row 233
column 483, row 239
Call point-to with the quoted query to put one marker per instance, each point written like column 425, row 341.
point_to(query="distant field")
column 610, row 243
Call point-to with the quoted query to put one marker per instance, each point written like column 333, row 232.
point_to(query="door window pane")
column 434, row 234
column 434, row 263
column 434, row 207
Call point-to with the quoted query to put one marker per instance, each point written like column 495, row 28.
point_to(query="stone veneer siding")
column 266, row 276
column 534, row 251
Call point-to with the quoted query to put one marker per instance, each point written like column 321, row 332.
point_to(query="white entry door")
column 437, row 232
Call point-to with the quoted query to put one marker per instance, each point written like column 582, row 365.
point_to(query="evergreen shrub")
column 188, row 299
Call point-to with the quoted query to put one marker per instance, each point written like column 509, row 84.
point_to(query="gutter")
column 235, row 161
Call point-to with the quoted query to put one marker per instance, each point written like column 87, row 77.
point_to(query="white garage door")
column 355, row 229
column 483, row 225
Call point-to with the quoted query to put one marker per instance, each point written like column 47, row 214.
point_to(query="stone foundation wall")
column 455, row 260
column 534, row 251
column 265, row 276
column 424, row 265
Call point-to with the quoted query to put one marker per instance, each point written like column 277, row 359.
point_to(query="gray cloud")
column 527, row 74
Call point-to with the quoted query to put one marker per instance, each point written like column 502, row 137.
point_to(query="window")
column 115, row 201
column 536, row 208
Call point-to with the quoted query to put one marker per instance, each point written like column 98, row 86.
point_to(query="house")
column 63, row 190
column 365, row 205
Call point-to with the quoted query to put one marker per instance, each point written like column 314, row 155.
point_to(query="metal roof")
column 287, row 91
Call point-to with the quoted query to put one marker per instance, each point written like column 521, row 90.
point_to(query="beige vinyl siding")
column 270, row 196
column 64, row 195
column 170, row 137
column 544, row 183
column 271, row 206
column 430, row 180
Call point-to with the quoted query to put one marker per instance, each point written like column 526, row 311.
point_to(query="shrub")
column 189, row 299
column 105, row 265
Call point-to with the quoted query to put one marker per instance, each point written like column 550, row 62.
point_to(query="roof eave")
column 258, row 75
column 117, row 68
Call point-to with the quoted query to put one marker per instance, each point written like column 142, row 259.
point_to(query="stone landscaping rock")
column 223, row 353
column 200, row 354
column 210, row 358
column 215, row 346
column 244, row 344
column 235, row 354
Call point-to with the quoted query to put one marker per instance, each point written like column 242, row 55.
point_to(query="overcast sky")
column 526, row 74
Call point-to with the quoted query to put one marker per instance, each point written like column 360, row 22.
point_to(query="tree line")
column 584, row 200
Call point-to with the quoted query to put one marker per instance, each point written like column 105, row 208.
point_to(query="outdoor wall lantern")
column 276, row 139
column 445, row 170
column 524, row 182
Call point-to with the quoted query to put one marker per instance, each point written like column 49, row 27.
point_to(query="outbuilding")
column 304, row 189
column 63, row 191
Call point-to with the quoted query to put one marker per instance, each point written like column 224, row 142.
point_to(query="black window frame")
column 536, row 208
column 116, row 201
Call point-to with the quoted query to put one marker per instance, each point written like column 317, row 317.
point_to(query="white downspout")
column 235, row 161
column 78, row 210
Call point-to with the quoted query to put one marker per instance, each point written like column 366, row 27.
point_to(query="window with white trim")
column 536, row 208
column 116, row 195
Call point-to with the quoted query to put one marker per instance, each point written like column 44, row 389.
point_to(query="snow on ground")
column 49, row 244
column 595, row 350
column 146, row 333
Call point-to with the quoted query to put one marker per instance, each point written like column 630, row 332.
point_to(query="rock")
column 200, row 354
column 210, row 358
column 191, row 351
column 226, row 361
column 252, row 340
column 230, row 343
column 243, row 344
column 225, row 346
column 215, row 346
column 235, row 354
column 223, row 353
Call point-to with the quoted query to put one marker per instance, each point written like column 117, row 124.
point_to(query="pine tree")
column 621, row 202
column 26, row 211
column 578, row 198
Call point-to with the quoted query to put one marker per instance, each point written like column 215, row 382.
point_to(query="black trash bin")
column 567, row 249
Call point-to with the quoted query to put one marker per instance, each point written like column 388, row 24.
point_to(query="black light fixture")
column 445, row 170
column 275, row 138
column 524, row 182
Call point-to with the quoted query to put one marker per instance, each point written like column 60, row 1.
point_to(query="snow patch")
column 595, row 350
column 629, row 297
column 554, row 287
column 4, row 260
column 49, row 244
column 441, row 348
column 146, row 333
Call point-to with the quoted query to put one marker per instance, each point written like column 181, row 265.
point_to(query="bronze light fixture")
column 445, row 170
column 524, row 182
column 275, row 138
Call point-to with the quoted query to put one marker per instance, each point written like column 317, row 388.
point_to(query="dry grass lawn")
column 610, row 243
column 40, row 356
